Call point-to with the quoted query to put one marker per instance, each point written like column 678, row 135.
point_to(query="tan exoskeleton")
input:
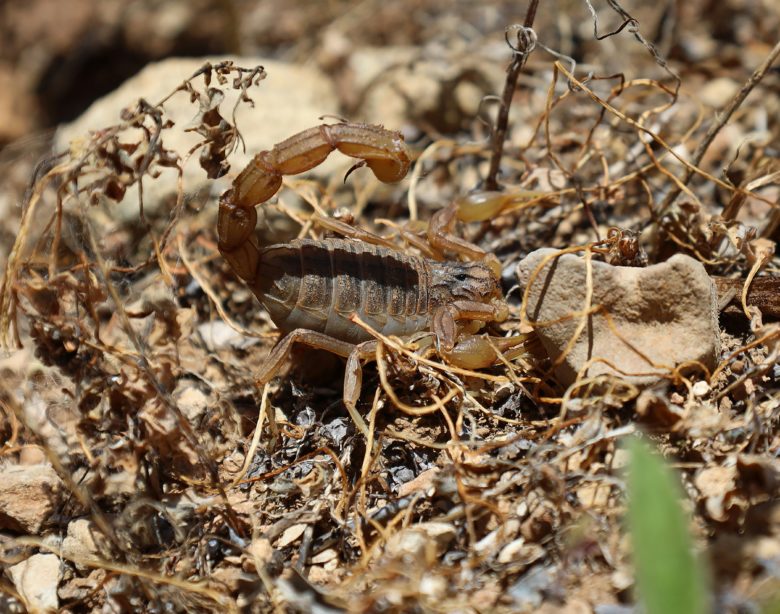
column 312, row 288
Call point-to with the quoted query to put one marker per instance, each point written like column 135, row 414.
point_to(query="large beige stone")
column 83, row 541
column 398, row 84
column 36, row 580
column 663, row 315
column 28, row 495
column 290, row 99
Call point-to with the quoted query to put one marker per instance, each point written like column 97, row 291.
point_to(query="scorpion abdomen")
column 318, row 285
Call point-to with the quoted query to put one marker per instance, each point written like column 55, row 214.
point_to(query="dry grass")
column 477, row 491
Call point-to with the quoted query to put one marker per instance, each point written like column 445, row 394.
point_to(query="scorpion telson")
column 312, row 288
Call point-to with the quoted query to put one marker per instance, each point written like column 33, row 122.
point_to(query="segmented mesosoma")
column 318, row 285
column 312, row 288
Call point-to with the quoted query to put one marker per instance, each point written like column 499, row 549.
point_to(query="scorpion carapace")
column 312, row 289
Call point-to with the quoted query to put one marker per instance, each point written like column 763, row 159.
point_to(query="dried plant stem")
column 118, row 568
column 721, row 119
column 513, row 74
column 250, row 455
column 147, row 371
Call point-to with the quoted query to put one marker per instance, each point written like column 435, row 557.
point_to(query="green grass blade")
column 670, row 579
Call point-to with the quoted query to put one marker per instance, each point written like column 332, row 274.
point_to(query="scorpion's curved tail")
column 383, row 151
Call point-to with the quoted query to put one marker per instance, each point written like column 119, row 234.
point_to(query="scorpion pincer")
column 312, row 288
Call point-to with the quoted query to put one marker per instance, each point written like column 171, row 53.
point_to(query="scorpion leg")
column 353, row 380
column 440, row 237
column 354, row 373
column 440, row 234
column 478, row 206
column 346, row 230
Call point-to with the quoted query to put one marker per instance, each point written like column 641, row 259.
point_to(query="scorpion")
column 312, row 288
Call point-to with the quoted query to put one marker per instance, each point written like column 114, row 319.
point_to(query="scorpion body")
column 312, row 289
column 318, row 285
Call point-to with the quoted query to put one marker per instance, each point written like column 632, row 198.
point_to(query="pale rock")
column 716, row 486
column 484, row 599
column 667, row 311
column 28, row 496
column 622, row 578
column 15, row 105
column 31, row 455
column 36, row 580
column 593, row 495
column 423, row 483
column 373, row 73
column 699, row 47
column 80, row 543
column 497, row 537
column 703, row 420
column 290, row 535
column 511, row 551
column 320, row 576
column 218, row 335
column 716, row 93
column 700, row 388
column 327, row 555
column 432, row 587
column 81, row 587
column 414, row 540
column 233, row 462
column 397, row 84
column 191, row 400
column 227, row 577
column 620, row 459
column 290, row 99
column 767, row 548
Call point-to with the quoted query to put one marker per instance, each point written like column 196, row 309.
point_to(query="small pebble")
column 31, row 455
column 701, row 388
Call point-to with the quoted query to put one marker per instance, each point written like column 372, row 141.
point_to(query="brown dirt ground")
column 130, row 382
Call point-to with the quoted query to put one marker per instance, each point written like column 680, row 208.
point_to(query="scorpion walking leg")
column 346, row 230
column 352, row 378
column 440, row 237
column 440, row 234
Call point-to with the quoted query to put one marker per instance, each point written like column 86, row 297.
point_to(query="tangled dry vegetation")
column 174, row 482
